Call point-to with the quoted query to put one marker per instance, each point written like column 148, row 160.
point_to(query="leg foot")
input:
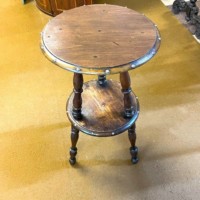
column 73, row 152
column 134, row 152
column 73, row 149
column 133, row 148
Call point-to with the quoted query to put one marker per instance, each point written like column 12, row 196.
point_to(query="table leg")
column 77, row 101
column 126, row 89
column 133, row 148
column 73, row 149
column 102, row 80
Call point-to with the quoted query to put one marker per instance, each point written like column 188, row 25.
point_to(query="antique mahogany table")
column 101, row 40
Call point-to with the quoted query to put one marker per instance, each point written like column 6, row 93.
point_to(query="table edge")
column 103, row 70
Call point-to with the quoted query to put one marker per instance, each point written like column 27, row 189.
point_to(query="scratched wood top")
column 102, row 110
column 99, row 36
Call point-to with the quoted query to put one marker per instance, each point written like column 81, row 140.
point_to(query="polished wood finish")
column 73, row 149
column 59, row 5
column 102, row 110
column 133, row 148
column 126, row 89
column 98, row 40
column 55, row 7
column 77, row 100
column 45, row 6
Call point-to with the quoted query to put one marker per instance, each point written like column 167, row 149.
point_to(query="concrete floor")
column 34, row 130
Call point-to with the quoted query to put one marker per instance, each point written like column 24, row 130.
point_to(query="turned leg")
column 73, row 149
column 133, row 148
column 126, row 89
column 77, row 101
column 102, row 80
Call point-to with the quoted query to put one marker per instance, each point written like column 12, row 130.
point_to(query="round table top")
column 100, row 39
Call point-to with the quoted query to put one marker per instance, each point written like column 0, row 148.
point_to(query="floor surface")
column 35, row 132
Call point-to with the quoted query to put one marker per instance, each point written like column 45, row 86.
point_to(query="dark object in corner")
column 191, row 10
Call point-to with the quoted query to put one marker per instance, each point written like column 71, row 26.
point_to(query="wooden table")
column 101, row 40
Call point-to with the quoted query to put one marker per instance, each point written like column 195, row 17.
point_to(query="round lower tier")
column 103, row 109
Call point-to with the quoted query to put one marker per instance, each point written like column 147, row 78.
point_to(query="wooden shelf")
column 103, row 110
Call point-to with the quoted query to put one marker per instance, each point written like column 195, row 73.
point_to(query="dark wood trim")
column 48, row 9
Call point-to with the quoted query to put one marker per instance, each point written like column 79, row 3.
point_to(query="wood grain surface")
column 99, row 36
column 102, row 109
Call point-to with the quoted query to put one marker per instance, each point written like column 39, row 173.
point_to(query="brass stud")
column 107, row 71
column 133, row 66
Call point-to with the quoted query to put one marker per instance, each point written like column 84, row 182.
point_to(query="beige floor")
column 34, row 130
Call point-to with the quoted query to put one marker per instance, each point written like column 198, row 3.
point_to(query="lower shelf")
column 102, row 110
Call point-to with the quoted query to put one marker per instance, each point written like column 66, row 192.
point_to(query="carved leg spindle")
column 73, row 149
column 77, row 101
column 102, row 80
column 126, row 89
column 133, row 148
